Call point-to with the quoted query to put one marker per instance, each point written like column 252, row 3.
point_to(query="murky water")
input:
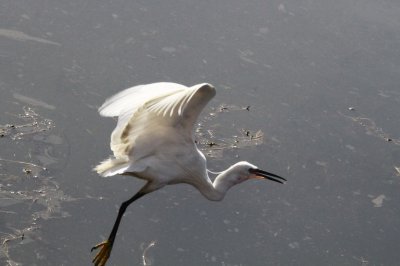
column 305, row 89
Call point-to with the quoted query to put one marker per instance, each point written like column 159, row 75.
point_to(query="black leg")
column 121, row 212
column 106, row 246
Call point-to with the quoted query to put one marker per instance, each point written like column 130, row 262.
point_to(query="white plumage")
column 151, row 117
column 153, row 140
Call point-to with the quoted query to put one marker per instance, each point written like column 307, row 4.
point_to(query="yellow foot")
column 104, row 253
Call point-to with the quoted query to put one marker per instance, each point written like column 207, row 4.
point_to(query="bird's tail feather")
column 112, row 166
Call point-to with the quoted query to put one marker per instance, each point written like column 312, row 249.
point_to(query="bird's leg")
column 106, row 246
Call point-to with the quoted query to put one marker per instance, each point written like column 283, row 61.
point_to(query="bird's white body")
column 154, row 141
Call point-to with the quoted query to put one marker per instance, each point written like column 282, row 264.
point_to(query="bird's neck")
column 216, row 190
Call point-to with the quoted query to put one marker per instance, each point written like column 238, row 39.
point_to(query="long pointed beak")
column 264, row 174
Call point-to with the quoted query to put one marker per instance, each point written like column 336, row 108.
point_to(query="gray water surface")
column 320, row 80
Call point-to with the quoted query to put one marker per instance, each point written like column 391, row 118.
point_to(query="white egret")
column 154, row 141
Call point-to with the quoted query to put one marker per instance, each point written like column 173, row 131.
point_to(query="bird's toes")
column 98, row 245
column 102, row 256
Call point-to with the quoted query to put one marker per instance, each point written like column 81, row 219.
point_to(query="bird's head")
column 243, row 171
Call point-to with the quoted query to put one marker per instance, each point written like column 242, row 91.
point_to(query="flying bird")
column 154, row 141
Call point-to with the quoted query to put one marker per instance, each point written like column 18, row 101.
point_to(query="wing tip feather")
column 111, row 166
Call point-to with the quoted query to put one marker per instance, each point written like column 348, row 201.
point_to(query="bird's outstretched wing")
column 152, row 115
column 129, row 100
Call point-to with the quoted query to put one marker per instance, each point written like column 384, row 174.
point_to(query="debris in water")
column 397, row 168
column 26, row 205
column 223, row 108
column 371, row 128
column 27, row 171
column 378, row 201
column 145, row 260
column 213, row 145
column 34, row 124
column 20, row 36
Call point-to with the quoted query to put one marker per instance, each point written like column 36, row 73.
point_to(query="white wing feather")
column 129, row 100
column 151, row 116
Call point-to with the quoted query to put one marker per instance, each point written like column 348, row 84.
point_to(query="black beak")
column 263, row 174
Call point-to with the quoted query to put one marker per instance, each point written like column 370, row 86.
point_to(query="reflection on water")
column 28, row 184
column 20, row 36
column 371, row 128
column 32, row 124
column 208, row 133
